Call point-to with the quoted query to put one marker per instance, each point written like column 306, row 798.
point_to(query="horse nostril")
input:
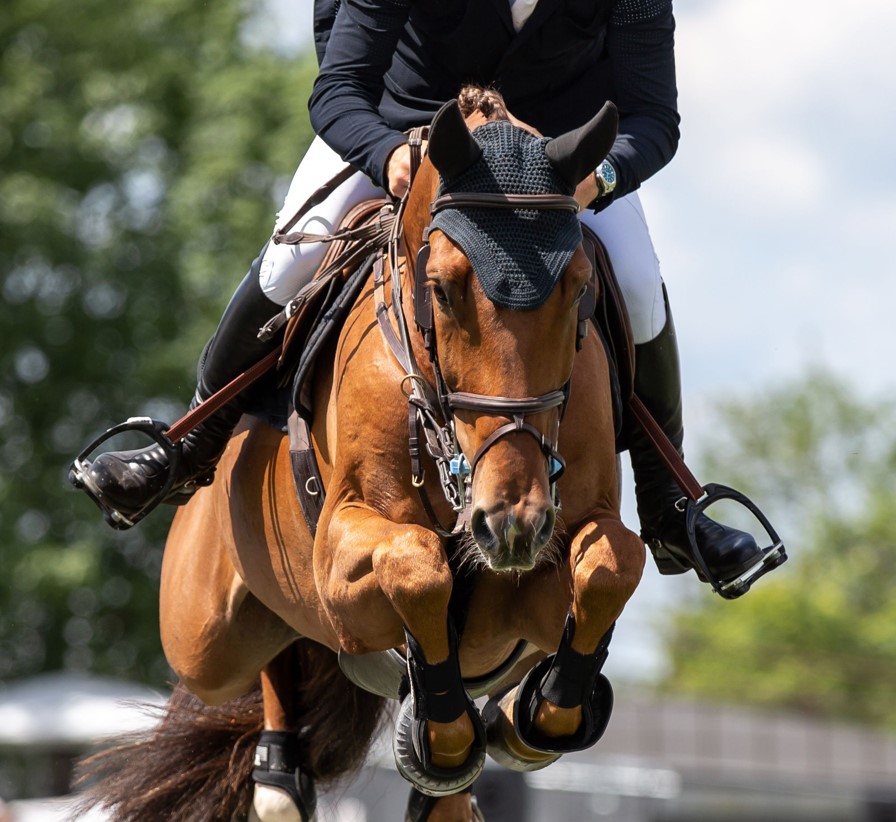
column 483, row 535
column 547, row 529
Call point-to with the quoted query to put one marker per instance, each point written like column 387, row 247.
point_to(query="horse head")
column 505, row 271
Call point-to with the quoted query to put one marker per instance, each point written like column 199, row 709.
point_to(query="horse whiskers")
column 468, row 553
column 470, row 557
column 554, row 552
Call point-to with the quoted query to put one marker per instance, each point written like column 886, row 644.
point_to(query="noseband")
column 519, row 409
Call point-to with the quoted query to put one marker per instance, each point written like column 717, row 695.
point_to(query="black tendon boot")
column 728, row 552
column 129, row 480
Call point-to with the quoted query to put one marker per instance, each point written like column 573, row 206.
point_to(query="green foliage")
column 818, row 635
column 144, row 150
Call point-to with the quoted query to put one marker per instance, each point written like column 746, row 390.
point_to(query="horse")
column 515, row 602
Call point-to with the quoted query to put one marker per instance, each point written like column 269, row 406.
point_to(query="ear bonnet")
column 518, row 254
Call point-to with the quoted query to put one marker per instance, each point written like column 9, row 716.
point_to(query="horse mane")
column 486, row 101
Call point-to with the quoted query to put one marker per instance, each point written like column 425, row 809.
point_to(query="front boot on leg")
column 566, row 679
column 436, row 693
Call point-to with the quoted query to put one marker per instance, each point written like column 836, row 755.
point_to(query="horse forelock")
column 486, row 103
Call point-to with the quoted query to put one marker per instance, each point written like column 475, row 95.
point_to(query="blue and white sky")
column 773, row 223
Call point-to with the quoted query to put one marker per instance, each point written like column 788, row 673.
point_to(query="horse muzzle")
column 512, row 540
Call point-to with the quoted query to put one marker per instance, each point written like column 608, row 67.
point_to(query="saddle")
column 329, row 299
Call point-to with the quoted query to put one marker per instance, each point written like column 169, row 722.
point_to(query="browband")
column 543, row 202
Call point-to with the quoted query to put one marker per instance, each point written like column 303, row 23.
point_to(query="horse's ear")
column 452, row 149
column 577, row 153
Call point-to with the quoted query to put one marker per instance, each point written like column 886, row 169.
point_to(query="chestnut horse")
column 245, row 583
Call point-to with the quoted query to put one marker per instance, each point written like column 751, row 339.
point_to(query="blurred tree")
column 818, row 635
column 144, row 150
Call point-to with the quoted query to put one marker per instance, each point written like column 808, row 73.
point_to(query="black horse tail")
column 196, row 764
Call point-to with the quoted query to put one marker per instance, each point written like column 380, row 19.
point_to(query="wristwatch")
column 605, row 177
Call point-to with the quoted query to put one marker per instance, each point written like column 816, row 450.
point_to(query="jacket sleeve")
column 640, row 42
column 346, row 95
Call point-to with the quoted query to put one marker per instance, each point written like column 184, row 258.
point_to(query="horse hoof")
column 410, row 747
column 274, row 805
column 420, row 807
column 498, row 749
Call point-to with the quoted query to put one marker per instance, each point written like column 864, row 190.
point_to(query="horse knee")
column 414, row 574
column 612, row 579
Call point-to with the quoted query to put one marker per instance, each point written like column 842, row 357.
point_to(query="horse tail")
column 342, row 719
column 196, row 764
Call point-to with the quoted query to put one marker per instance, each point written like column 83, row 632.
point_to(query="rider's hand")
column 398, row 170
column 586, row 192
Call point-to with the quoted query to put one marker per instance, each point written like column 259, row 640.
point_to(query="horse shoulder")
column 366, row 419
column 587, row 438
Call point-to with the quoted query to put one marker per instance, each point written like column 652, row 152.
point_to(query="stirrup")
column 772, row 556
column 79, row 477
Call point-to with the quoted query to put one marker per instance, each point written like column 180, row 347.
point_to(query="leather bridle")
column 432, row 408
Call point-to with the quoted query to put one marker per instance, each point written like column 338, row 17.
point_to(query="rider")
column 388, row 65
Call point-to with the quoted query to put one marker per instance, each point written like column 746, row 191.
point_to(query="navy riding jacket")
column 390, row 64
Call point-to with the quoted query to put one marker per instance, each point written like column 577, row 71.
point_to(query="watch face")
column 608, row 173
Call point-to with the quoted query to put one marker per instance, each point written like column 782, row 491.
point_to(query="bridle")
column 431, row 417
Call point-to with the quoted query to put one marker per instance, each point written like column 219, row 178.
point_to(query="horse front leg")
column 385, row 584
column 607, row 563
column 564, row 702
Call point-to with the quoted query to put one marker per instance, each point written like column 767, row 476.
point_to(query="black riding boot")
column 728, row 552
column 129, row 480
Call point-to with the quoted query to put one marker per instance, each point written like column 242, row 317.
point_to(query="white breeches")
column 285, row 269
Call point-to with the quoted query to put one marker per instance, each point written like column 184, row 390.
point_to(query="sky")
column 773, row 223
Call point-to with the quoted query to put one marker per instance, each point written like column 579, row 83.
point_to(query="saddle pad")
column 325, row 311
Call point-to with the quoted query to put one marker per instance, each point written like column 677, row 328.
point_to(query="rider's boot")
column 728, row 552
column 129, row 480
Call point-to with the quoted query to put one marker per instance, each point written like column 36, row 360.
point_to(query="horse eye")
column 582, row 292
column 441, row 296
